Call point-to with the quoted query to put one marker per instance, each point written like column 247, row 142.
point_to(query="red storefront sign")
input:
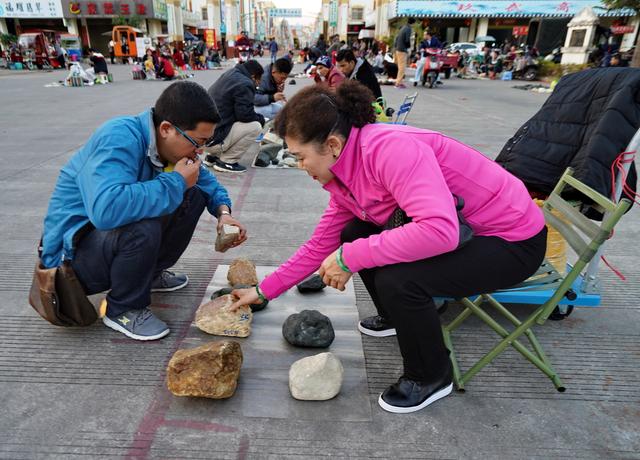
column 92, row 8
column 210, row 37
column 621, row 30
column 108, row 8
column 141, row 9
column 520, row 31
column 124, row 9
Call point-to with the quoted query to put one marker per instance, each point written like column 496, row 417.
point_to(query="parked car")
column 470, row 48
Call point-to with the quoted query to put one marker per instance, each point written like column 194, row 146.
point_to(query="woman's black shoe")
column 408, row 395
column 376, row 326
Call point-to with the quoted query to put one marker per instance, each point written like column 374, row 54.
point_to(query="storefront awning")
column 501, row 8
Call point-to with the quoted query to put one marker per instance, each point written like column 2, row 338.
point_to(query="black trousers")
column 404, row 292
column 126, row 259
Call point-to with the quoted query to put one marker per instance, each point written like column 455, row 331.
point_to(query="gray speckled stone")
column 309, row 328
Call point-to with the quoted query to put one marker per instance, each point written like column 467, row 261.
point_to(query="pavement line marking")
column 155, row 416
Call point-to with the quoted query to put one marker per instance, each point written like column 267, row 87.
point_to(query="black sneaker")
column 220, row 165
column 376, row 326
column 408, row 395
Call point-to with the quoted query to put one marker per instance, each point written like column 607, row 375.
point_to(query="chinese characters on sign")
column 285, row 12
column 94, row 8
column 30, row 9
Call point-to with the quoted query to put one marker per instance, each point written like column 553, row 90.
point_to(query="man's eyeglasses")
column 190, row 139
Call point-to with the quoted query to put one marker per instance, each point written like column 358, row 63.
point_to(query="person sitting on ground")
column 178, row 58
column 359, row 70
column 270, row 94
column 390, row 69
column 98, row 62
column 392, row 217
column 377, row 63
column 122, row 221
column 166, row 71
column 495, row 65
column 328, row 74
column 234, row 93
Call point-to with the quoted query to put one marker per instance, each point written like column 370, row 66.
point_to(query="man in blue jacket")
column 269, row 98
column 127, row 203
column 234, row 93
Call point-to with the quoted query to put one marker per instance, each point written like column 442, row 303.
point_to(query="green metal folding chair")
column 585, row 237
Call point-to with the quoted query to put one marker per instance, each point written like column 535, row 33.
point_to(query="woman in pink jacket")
column 376, row 173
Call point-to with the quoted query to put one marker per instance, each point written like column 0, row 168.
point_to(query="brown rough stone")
column 242, row 271
column 208, row 371
column 216, row 317
column 227, row 236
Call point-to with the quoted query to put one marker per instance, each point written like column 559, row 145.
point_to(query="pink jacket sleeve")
column 307, row 259
column 411, row 173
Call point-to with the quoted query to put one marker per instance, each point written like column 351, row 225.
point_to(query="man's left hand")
column 331, row 273
column 226, row 219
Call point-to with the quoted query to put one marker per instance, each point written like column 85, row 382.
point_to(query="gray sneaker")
column 138, row 324
column 168, row 281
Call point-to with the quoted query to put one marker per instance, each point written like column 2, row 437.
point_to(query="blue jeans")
column 274, row 56
column 269, row 111
column 125, row 260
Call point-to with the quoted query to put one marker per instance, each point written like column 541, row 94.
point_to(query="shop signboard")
column 210, row 37
column 30, row 9
column 333, row 13
column 160, row 10
column 621, row 30
column 285, row 12
column 107, row 8
column 520, row 31
column 502, row 8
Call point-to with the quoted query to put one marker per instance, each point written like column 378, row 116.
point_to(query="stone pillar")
column 231, row 19
column 72, row 26
column 580, row 34
column 154, row 27
column 174, row 22
column 472, row 30
column 483, row 27
column 382, row 19
column 213, row 16
column 343, row 18
column 3, row 27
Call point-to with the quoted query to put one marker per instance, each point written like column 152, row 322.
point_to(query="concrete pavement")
column 89, row 393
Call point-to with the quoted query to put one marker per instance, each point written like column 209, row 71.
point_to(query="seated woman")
column 392, row 218
column 328, row 74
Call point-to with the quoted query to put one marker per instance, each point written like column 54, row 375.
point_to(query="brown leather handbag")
column 58, row 296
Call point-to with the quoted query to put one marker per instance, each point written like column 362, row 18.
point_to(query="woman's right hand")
column 245, row 297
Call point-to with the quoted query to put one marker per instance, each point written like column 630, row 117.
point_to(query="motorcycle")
column 525, row 68
column 432, row 69
column 244, row 53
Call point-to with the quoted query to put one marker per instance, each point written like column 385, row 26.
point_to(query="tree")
column 631, row 5
column 133, row 21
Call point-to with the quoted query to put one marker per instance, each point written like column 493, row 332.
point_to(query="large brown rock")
column 216, row 317
column 208, row 371
column 242, row 271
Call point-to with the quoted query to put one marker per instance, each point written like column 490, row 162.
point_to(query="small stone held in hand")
column 312, row 284
column 316, row 378
column 216, row 317
column 208, row 371
column 227, row 236
column 242, row 271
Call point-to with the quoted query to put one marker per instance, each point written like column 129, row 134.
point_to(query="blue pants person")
column 127, row 259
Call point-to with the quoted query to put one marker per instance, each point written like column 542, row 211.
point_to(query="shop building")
column 540, row 23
